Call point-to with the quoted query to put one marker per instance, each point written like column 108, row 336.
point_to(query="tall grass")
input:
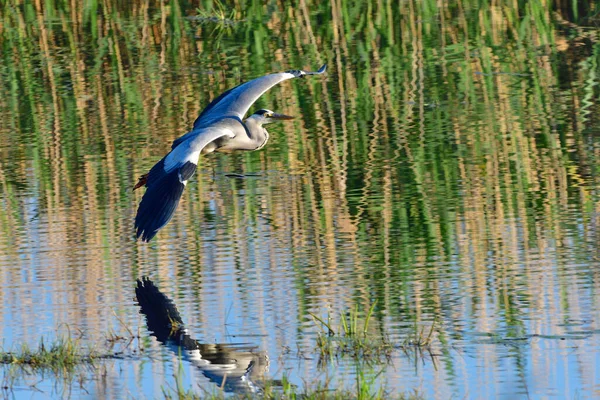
column 61, row 356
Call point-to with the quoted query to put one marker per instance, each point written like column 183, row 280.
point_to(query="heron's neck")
column 257, row 133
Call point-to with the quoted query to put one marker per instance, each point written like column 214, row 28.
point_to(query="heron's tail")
column 164, row 189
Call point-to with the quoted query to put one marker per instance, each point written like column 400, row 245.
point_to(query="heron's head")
column 265, row 116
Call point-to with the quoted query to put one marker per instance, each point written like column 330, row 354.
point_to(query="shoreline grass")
column 62, row 355
column 316, row 391
column 67, row 351
column 351, row 337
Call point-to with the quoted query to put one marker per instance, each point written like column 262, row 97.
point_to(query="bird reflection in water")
column 235, row 368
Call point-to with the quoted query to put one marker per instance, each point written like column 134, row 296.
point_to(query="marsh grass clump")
column 285, row 390
column 351, row 337
column 66, row 360
column 66, row 352
column 62, row 355
column 420, row 338
column 217, row 14
column 419, row 341
column 365, row 388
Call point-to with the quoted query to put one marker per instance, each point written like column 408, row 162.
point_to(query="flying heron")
column 219, row 127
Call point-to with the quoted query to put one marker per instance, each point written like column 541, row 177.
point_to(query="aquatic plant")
column 61, row 355
column 351, row 337
column 363, row 390
column 217, row 12
column 68, row 351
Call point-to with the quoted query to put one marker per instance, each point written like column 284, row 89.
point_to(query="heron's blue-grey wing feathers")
column 167, row 179
column 237, row 101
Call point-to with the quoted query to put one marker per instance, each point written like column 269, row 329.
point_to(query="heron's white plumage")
column 179, row 156
column 189, row 150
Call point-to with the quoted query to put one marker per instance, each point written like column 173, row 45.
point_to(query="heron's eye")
column 268, row 115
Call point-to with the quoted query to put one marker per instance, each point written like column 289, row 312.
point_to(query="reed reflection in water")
column 446, row 170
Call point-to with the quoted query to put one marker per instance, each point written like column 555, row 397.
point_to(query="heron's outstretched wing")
column 167, row 179
column 236, row 102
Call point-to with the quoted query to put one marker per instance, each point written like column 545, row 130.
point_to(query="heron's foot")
column 241, row 176
column 234, row 175
column 141, row 181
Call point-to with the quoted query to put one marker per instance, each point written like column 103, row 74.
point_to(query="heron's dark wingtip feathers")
column 160, row 201
column 298, row 73
column 157, row 207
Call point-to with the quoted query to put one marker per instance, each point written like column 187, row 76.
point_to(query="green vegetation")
column 68, row 351
column 351, row 338
column 450, row 153
column 320, row 391
column 60, row 356
column 66, row 354
column 217, row 13
column 314, row 394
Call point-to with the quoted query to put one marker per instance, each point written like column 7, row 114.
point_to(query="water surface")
column 444, row 171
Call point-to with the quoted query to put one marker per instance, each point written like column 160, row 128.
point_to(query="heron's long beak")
column 280, row 116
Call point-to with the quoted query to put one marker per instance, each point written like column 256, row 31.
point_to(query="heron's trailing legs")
column 141, row 181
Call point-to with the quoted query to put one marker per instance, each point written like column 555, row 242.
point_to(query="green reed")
column 351, row 336
column 60, row 356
